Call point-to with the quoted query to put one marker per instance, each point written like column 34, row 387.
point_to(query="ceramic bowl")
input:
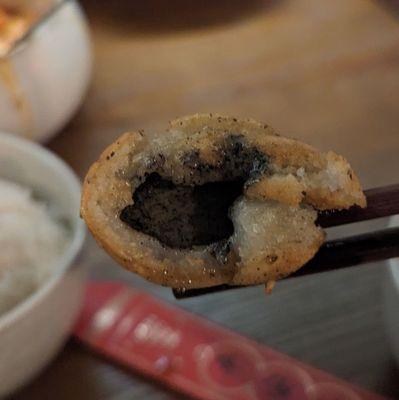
column 32, row 332
column 391, row 299
column 45, row 76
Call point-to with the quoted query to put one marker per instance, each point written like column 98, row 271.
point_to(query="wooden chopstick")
column 381, row 202
column 342, row 253
column 354, row 250
column 334, row 254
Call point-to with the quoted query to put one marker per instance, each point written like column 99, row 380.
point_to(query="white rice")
column 30, row 242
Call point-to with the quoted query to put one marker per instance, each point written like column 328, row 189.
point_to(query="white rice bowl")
column 30, row 242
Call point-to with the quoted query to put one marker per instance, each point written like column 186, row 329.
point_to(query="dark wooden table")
column 325, row 72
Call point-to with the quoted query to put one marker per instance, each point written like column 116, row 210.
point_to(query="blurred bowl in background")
column 391, row 299
column 44, row 77
column 33, row 331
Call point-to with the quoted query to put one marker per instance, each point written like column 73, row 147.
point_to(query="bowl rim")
column 394, row 262
column 65, row 260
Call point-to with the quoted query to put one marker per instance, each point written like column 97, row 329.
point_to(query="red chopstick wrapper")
column 195, row 356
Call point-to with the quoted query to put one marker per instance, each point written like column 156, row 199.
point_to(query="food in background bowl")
column 215, row 200
column 31, row 240
column 17, row 17
column 13, row 25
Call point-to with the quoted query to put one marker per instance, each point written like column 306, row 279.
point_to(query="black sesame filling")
column 195, row 213
column 183, row 216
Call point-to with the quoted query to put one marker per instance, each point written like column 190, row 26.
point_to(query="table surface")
column 324, row 72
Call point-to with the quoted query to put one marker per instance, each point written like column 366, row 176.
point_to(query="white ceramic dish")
column 391, row 299
column 33, row 331
column 43, row 79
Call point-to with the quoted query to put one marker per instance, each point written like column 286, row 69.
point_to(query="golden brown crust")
column 299, row 174
column 218, row 123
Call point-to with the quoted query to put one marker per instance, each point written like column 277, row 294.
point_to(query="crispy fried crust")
column 299, row 177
